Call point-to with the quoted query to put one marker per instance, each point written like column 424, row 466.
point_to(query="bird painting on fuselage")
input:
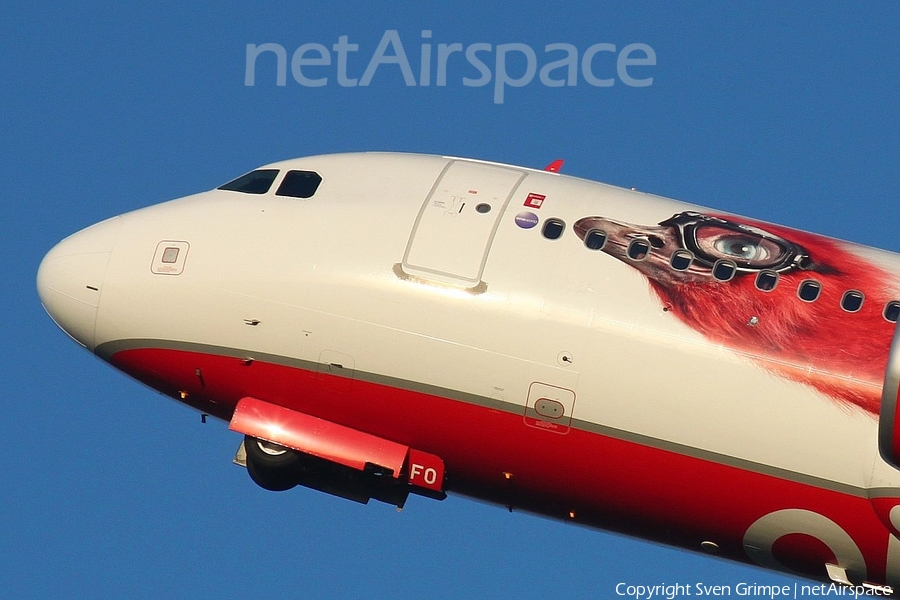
column 774, row 294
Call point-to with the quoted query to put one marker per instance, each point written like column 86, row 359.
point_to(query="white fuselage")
column 547, row 375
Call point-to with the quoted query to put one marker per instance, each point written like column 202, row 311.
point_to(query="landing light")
column 883, row 590
column 710, row 547
column 837, row 574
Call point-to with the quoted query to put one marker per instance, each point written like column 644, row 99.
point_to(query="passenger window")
column 852, row 301
column 638, row 249
column 892, row 311
column 553, row 229
column 299, row 184
column 724, row 270
column 766, row 281
column 809, row 290
column 255, row 182
column 595, row 239
column 681, row 260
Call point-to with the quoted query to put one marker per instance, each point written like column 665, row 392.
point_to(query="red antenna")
column 555, row 166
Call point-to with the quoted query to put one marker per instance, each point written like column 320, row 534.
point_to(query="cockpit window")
column 299, row 184
column 255, row 182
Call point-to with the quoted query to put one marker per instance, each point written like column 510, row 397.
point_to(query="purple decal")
column 526, row 220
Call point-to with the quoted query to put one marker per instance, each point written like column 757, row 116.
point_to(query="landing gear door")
column 456, row 224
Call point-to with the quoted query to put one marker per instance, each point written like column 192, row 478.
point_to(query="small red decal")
column 534, row 200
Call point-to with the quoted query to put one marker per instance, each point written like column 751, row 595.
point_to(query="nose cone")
column 71, row 276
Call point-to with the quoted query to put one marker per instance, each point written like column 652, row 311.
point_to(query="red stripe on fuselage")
column 605, row 481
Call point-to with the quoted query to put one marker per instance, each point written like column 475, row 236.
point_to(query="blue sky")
column 784, row 112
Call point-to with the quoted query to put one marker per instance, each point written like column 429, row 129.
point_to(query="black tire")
column 271, row 467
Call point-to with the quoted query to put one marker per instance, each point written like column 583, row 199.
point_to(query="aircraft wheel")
column 271, row 467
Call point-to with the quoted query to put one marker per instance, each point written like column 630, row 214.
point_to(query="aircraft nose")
column 70, row 279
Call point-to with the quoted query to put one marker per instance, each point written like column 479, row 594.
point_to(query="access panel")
column 456, row 224
column 549, row 407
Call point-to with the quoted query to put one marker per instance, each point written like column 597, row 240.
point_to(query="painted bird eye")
column 740, row 247
column 746, row 249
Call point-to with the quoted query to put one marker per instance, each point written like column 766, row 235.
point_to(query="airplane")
column 382, row 324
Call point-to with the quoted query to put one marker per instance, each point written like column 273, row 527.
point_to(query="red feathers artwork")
column 785, row 298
